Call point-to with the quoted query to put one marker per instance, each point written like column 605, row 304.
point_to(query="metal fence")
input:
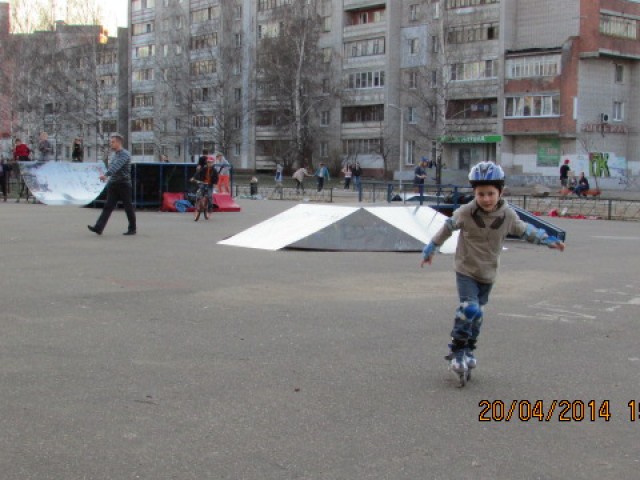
column 447, row 197
column 609, row 209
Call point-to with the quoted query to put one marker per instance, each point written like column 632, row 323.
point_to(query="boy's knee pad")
column 469, row 311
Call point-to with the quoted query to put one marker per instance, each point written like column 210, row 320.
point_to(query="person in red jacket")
column 21, row 153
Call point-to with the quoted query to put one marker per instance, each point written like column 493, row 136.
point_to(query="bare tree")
column 290, row 79
column 55, row 79
column 447, row 103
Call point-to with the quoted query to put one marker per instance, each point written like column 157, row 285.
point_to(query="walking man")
column 119, row 188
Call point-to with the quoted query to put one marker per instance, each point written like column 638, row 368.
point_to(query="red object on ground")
column 169, row 200
column 225, row 203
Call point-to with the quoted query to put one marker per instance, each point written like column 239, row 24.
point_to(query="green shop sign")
column 548, row 152
column 471, row 139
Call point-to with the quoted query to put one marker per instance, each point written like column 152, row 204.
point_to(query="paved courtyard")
column 167, row 356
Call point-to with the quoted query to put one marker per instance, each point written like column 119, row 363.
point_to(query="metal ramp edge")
column 537, row 222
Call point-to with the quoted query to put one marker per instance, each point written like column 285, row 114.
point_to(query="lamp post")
column 401, row 110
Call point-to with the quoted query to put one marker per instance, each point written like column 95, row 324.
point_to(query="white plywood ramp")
column 341, row 228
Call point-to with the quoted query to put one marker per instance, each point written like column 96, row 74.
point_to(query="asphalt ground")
column 167, row 356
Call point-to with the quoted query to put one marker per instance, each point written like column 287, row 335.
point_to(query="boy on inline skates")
column 484, row 224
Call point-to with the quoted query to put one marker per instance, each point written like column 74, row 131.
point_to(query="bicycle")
column 203, row 195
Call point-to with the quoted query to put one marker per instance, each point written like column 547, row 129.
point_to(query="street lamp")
column 401, row 110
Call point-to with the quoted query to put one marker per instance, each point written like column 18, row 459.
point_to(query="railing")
column 447, row 198
column 608, row 209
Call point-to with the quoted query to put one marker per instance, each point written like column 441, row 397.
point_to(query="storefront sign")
column 471, row 139
column 604, row 128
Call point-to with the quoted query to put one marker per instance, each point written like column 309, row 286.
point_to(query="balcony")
column 364, row 30
column 358, row 4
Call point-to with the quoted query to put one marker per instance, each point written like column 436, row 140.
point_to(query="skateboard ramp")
column 225, row 203
column 341, row 228
column 63, row 183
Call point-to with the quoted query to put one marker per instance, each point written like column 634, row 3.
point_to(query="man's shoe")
column 129, row 232
column 94, row 229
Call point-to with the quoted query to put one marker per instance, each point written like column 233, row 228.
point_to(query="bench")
column 592, row 192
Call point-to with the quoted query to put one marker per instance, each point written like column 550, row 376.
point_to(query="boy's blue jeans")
column 468, row 321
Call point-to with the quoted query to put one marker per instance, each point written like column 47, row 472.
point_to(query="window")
column 326, row 24
column 201, row 42
column 433, row 113
column 619, row 26
column 619, row 73
column 412, row 80
column 202, row 121
column 363, row 48
column 435, row 44
column 533, row 66
column 107, row 80
column 412, row 115
column 618, row 111
column 143, row 51
column 109, row 126
column 202, row 67
column 141, row 28
column 142, row 149
column 326, row 55
column 434, row 79
column 472, row 33
column 532, row 106
column 361, row 146
column 200, row 94
column 237, row 94
column 237, row 149
column 413, row 12
column 325, row 118
column 143, row 75
column 142, row 125
column 137, row 5
column 142, row 100
column 453, row 4
column 205, row 14
column 365, row 17
column 472, row 71
column 238, row 39
column 326, row 85
column 108, row 57
column 324, row 149
column 364, row 113
column 237, row 122
column 414, row 45
column 362, row 80
column 410, row 152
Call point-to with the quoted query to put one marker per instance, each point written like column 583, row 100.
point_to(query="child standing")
column 484, row 224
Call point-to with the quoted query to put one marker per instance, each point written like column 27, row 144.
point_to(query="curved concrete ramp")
column 63, row 183
column 339, row 228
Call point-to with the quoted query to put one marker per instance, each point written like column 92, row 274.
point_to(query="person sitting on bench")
column 583, row 186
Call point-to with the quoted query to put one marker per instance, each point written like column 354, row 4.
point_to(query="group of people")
column 580, row 186
column 12, row 154
column 352, row 172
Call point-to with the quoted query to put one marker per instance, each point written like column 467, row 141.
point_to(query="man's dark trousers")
column 117, row 192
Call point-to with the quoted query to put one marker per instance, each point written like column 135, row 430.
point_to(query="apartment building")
column 571, row 86
column 520, row 82
column 70, row 82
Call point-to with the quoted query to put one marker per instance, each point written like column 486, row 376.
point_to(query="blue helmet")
column 486, row 173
